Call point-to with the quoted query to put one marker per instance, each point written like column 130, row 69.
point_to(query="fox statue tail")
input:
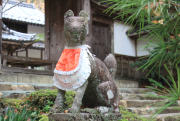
column 111, row 64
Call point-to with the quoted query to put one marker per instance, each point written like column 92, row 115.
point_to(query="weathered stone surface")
column 149, row 111
column 102, row 109
column 100, row 88
column 34, row 79
column 23, row 87
column 15, row 94
column 140, row 103
column 39, row 87
column 126, row 83
column 1, row 94
column 9, row 78
column 165, row 117
column 5, row 87
column 133, row 90
column 54, row 87
column 76, row 117
column 127, row 96
column 172, row 118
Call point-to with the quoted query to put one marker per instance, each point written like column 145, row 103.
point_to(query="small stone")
column 103, row 109
column 123, row 103
column 152, row 93
column 23, row 87
column 1, row 94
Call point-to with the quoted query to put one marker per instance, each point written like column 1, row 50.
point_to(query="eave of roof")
column 11, row 35
column 24, row 12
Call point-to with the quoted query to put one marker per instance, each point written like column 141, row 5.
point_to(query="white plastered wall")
column 123, row 45
column 33, row 53
column 35, row 29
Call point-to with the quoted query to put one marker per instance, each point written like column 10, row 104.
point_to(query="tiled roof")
column 38, row 45
column 11, row 35
column 24, row 12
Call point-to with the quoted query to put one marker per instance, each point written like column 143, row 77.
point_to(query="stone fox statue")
column 78, row 70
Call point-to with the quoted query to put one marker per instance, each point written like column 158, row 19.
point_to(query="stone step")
column 126, row 82
column 128, row 96
column 134, row 90
column 165, row 117
column 14, row 94
column 139, row 103
column 145, row 103
column 152, row 110
column 24, row 86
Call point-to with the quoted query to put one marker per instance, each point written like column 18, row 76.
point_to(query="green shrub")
column 44, row 118
column 129, row 116
column 69, row 98
column 21, row 115
column 10, row 102
column 41, row 100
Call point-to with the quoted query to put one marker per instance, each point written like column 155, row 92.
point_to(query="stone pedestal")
column 83, row 117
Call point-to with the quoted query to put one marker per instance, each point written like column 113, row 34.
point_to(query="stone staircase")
column 19, row 90
column 134, row 99
column 138, row 101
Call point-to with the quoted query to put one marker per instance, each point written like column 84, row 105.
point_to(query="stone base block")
column 82, row 117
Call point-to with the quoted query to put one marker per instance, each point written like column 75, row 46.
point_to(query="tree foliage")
column 161, row 19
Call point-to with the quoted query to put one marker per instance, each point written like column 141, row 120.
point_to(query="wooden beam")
column 0, row 31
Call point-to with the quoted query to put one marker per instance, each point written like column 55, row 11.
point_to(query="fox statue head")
column 75, row 28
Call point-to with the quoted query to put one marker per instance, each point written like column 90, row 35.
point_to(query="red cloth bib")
column 69, row 60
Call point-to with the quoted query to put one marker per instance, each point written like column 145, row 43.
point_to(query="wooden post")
column 4, row 62
column 26, row 52
column 128, row 67
column 0, row 30
column 121, row 66
column 42, row 54
column 16, row 53
column 136, row 70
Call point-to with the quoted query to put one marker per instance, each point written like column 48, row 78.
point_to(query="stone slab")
column 22, row 87
column 26, row 78
column 9, row 77
column 39, row 87
column 15, row 94
column 133, row 90
column 74, row 117
column 152, row 110
column 127, row 96
column 35, row 79
column 140, row 103
column 5, row 87
column 1, row 94
column 164, row 117
column 122, row 83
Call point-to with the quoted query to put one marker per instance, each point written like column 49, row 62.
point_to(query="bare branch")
column 174, row 4
column 13, row 6
column 5, row 4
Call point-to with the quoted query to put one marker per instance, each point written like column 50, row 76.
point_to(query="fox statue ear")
column 69, row 13
column 83, row 14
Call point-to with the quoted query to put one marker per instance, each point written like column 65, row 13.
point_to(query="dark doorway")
column 101, row 40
